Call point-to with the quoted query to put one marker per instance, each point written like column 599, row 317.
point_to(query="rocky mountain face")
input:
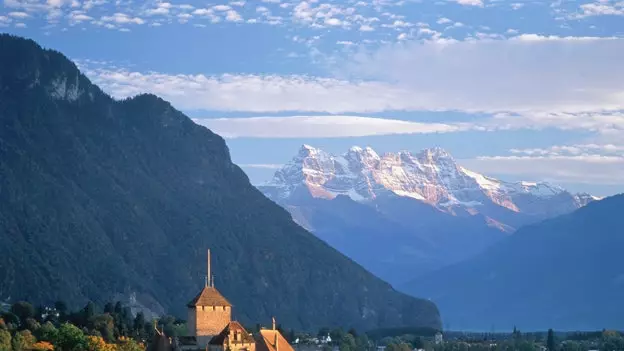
column 431, row 198
column 102, row 198
column 564, row 273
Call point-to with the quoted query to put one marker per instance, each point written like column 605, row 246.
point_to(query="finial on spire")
column 212, row 280
column 208, row 276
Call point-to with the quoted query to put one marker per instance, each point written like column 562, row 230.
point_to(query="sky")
column 518, row 90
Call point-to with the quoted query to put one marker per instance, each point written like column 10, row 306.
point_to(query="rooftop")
column 209, row 296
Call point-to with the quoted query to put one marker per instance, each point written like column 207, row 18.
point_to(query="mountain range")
column 425, row 209
column 565, row 273
column 103, row 199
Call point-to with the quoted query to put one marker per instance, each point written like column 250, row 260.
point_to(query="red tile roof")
column 266, row 341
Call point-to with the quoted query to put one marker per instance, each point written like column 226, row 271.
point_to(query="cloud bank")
column 523, row 75
column 321, row 127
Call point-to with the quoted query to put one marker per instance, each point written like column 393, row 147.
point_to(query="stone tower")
column 209, row 312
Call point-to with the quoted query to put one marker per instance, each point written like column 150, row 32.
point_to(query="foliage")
column 551, row 343
column 23, row 340
column 5, row 340
column 96, row 343
column 399, row 347
column 47, row 332
column 23, row 310
column 43, row 346
column 71, row 338
column 127, row 344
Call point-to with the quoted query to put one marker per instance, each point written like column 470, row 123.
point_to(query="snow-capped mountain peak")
column 431, row 175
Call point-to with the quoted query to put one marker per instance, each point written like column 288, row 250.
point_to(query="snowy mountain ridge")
column 431, row 176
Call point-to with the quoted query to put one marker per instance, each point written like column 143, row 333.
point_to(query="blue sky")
column 530, row 90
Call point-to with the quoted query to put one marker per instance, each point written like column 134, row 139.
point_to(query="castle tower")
column 209, row 312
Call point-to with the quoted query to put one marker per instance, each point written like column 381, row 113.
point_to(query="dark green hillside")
column 101, row 197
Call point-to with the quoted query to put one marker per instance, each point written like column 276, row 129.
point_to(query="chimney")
column 156, row 327
column 273, row 323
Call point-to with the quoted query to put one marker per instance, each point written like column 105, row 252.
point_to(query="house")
column 233, row 338
column 439, row 338
column 211, row 327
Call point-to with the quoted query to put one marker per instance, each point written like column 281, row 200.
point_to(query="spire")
column 273, row 318
column 208, row 283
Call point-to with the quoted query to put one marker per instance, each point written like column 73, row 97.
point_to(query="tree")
column 61, row 308
column 105, row 325
column 550, row 343
column 5, row 340
column 362, row 343
column 569, row 345
column 23, row 340
column 419, row 343
column 118, row 308
column 70, row 338
column 139, row 323
column 47, row 332
column 347, row 342
column 32, row 324
column 130, row 345
column 96, row 343
column 323, row 332
column 86, row 314
column 291, row 336
column 11, row 320
column 23, row 310
column 336, row 335
column 109, row 308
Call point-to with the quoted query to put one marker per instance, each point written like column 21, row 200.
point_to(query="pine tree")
column 550, row 343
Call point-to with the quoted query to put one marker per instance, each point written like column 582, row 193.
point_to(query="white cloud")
column 550, row 82
column 163, row 11
column 573, row 150
column 257, row 93
column 523, row 74
column 443, row 20
column 581, row 169
column 320, row 127
column 607, row 124
column 233, row 16
column 76, row 17
column 122, row 18
column 601, row 8
column 333, row 22
column 221, row 8
column 469, row 2
column 18, row 14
